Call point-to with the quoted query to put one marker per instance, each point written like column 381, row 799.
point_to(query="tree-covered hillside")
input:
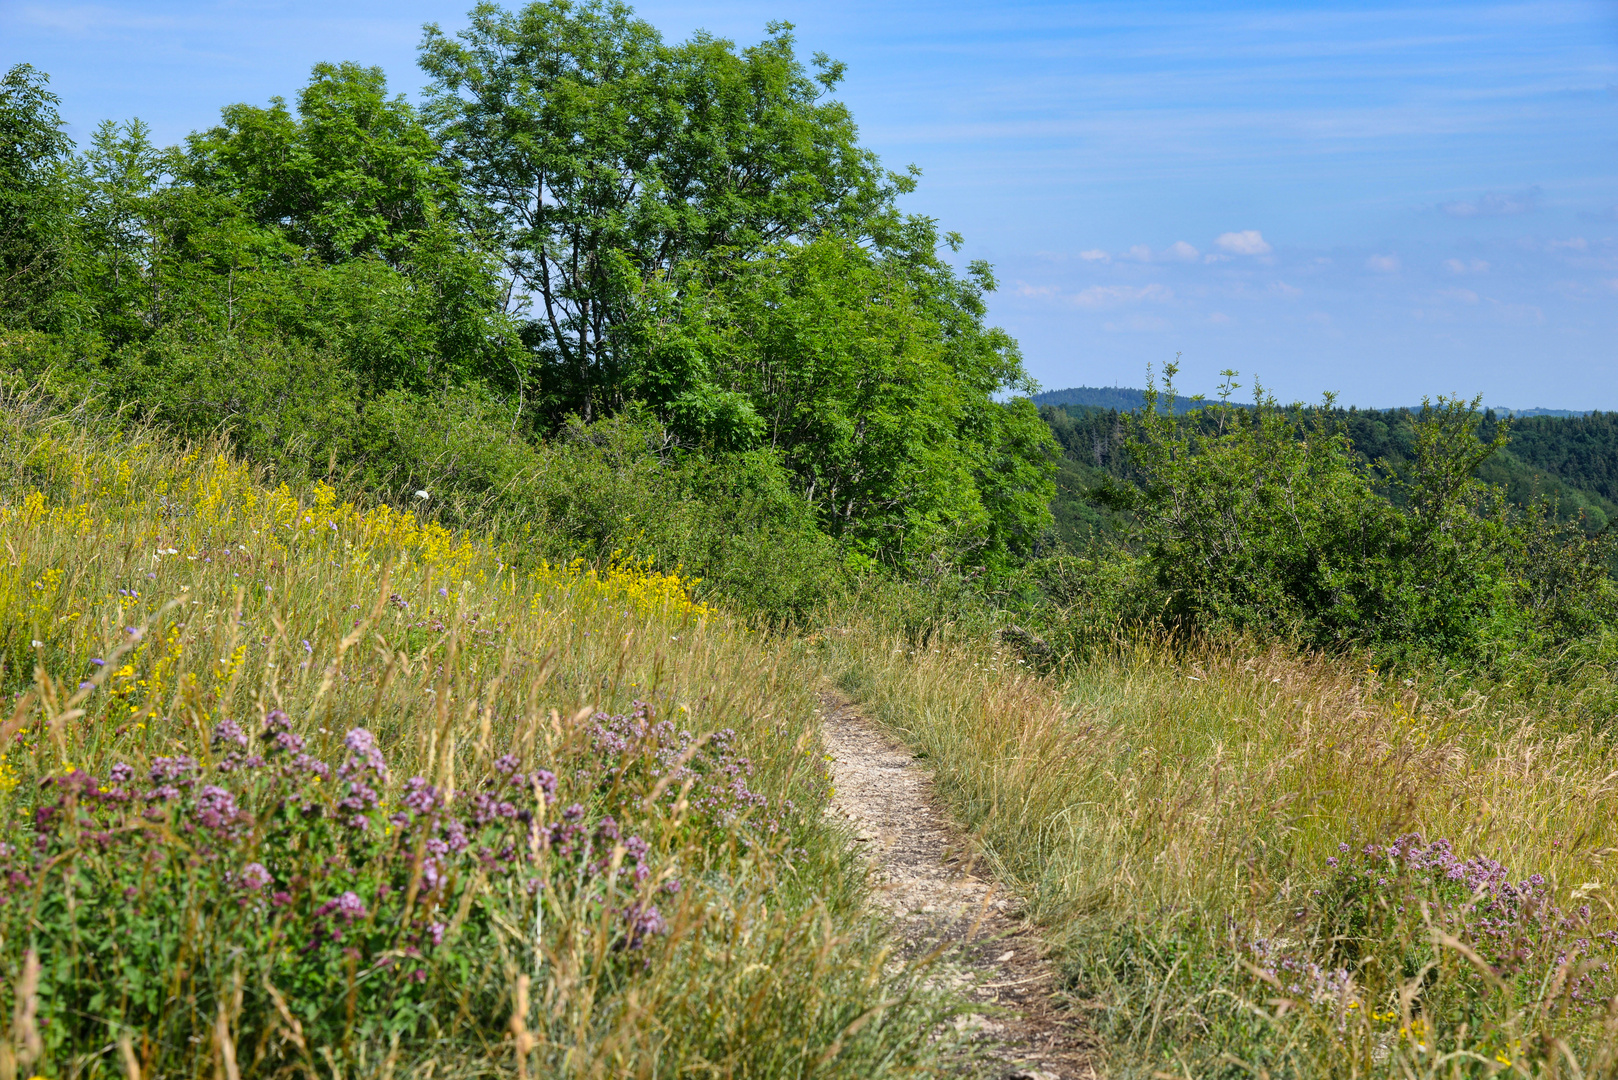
column 668, row 269
column 1571, row 462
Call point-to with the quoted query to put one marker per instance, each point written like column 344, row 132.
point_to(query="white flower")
column 422, row 495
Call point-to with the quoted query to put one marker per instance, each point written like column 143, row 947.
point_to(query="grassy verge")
column 294, row 787
column 1261, row 864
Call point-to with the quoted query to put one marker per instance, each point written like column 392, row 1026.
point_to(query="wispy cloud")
column 1246, row 242
column 1138, row 324
column 1384, row 264
column 1097, row 297
column 1179, row 251
column 1475, row 266
column 1465, row 296
column 1495, row 204
column 82, row 19
column 1107, row 296
column 1519, row 314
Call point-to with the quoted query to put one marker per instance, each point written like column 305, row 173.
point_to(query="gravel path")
column 927, row 882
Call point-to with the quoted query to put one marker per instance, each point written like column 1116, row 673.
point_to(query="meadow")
column 424, row 549
column 294, row 787
column 1256, row 862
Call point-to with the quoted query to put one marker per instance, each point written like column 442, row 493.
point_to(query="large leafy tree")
column 697, row 227
column 38, row 234
column 873, row 378
column 354, row 173
column 353, row 191
column 602, row 158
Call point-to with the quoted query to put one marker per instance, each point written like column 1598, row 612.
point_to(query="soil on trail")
column 925, row 867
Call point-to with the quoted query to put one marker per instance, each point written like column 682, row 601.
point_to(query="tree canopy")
column 582, row 224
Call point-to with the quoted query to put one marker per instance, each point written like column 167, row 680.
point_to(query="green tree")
column 601, row 159
column 874, row 378
column 38, row 237
column 365, row 215
column 354, row 173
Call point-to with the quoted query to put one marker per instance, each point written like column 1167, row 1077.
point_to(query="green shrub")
column 1264, row 521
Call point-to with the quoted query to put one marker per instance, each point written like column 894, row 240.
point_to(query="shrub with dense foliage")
column 1265, row 521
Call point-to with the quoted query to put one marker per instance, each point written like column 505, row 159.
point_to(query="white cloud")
column 1138, row 253
column 1106, row 296
column 1036, row 292
column 1495, row 204
column 1215, row 258
column 1476, row 266
column 1095, row 255
column 1577, row 243
column 1383, row 264
column 1611, row 284
column 1246, row 242
column 1465, row 296
column 1281, row 288
column 1181, row 250
column 1219, row 318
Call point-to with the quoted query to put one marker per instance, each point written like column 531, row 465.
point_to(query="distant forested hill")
column 1128, row 399
column 1121, row 398
column 1572, row 460
column 1581, row 450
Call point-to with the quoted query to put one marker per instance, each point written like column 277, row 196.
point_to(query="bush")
column 1264, row 521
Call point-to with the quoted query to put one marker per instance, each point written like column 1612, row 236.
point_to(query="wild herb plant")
column 295, row 787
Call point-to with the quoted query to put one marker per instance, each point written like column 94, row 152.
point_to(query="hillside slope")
column 1570, row 462
column 308, row 787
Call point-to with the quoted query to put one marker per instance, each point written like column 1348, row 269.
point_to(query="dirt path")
column 928, row 883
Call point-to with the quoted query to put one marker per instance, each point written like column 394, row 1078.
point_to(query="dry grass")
column 205, row 597
column 1166, row 808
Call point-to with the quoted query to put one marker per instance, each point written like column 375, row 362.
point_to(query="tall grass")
column 296, row 787
column 1259, row 863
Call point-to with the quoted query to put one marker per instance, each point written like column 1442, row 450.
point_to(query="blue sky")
column 1385, row 201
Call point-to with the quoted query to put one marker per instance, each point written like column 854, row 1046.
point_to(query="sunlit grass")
column 149, row 594
column 1172, row 812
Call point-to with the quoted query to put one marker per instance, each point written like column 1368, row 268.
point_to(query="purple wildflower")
column 216, row 807
column 420, row 796
column 227, row 731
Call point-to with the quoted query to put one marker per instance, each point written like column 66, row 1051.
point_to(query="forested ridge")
column 1569, row 461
